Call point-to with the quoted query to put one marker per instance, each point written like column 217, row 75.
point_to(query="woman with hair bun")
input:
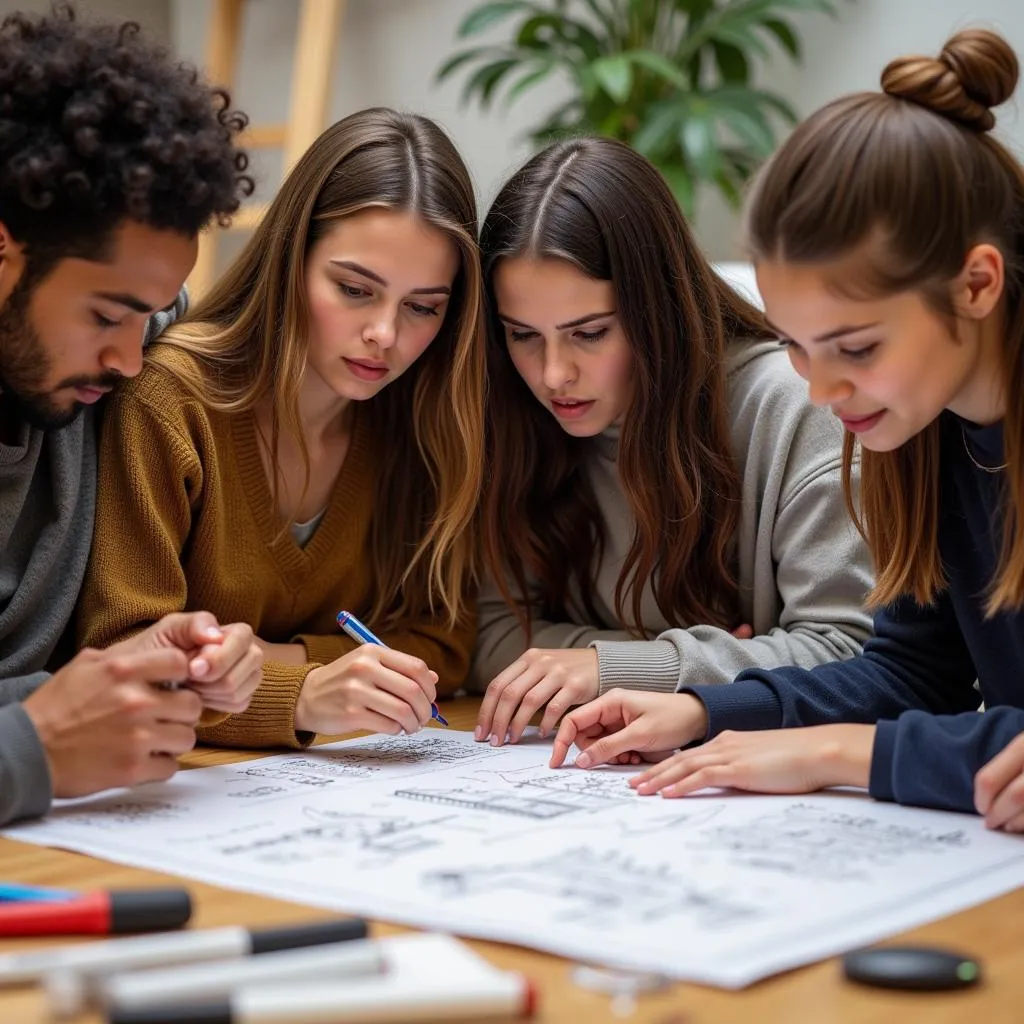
column 888, row 235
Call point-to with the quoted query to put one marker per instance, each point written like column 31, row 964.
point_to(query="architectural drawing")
column 437, row 831
column 806, row 842
column 597, row 887
column 516, row 804
column 335, row 831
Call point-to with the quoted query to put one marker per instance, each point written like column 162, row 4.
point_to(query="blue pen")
column 12, row 892
column 355, row 629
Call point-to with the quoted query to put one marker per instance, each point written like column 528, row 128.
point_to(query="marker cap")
column 148, row 910
column 319, row 934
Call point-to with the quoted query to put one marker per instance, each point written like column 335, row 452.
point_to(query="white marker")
column 172, row 948
column 216, row 981
column 502, row 994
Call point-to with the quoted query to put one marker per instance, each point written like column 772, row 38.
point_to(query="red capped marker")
column 118, row 912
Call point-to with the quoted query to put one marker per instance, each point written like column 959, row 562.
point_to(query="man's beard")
column 24, row 367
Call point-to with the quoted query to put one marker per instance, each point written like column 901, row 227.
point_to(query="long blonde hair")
column 249, row 339
column 911, row 175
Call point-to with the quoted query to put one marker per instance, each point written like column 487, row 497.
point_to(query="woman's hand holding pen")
column 372, row 687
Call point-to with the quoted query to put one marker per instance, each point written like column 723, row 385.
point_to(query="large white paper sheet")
column 438, row 831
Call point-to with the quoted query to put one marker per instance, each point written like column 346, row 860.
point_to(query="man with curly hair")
column 112, row 158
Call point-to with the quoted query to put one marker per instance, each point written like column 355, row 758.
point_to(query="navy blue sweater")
column 916, row 676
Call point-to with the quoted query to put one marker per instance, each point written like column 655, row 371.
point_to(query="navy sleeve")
column 917, row 659
column 931, row 760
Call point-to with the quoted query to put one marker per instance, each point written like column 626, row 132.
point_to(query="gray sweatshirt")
column 803, row 569
column 47, row 507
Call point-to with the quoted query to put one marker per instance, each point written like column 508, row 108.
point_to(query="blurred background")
column 390, row 52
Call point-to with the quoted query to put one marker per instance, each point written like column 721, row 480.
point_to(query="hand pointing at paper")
column 622, row 723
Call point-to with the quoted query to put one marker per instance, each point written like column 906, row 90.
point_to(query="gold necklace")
column 984, row 469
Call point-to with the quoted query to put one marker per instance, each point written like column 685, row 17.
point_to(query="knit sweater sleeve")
column 150, row 481
column 502, row 639
column 804, row 558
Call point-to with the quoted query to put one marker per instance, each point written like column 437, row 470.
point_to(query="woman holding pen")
column 309, row 440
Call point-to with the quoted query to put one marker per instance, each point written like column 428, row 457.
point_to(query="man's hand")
column 103, row 723
column 224, row 662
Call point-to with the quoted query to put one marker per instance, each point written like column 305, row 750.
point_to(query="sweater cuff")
column 269, row 720
column 324, row 649
column 637, row 665
column 26, row 788
column 746, row 705
column 880, row 780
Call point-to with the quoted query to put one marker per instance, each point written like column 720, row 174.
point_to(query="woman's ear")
column 980, row 284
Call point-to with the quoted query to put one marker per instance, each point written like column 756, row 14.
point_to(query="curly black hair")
column 99, row 125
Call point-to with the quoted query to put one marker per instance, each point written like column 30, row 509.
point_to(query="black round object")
column 917, row 968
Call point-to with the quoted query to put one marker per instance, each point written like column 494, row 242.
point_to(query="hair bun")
column 977, row 70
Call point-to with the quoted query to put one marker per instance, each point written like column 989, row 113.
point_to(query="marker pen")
column 210, row 982
column 99, row 913
column 13, row 892
column 173, row 948
column 355, row 629
column 503, row 994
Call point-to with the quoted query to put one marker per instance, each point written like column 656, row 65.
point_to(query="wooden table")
column 994, row 932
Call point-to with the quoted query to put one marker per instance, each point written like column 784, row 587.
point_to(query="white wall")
column 390, row 50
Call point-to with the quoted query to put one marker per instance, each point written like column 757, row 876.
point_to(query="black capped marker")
column 118, row 912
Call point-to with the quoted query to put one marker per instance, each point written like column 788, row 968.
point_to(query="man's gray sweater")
column 47, row 507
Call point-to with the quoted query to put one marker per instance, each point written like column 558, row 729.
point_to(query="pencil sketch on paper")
column 809, row 842
column 529, row 793
column 387, row 837
column 594, row 887
column 116, row 812
column 467, row 798
column 436, row 751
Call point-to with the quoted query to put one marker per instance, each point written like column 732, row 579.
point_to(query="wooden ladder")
column 312, row 66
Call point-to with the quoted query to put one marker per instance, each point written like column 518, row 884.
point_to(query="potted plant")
column 671, row 78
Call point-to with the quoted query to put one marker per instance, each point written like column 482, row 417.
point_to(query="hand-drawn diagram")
column 334, row 831
column 118, row 811
column 519, row 805
column 440, row 751
column 597, row 888
column 540, row 795
column 808, row 842
column 437, row 831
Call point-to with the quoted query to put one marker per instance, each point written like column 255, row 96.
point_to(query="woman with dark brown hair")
column 663, row 507
column 310, row 439
column 888, row 237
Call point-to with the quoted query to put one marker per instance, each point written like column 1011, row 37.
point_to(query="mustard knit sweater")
column 185, row 521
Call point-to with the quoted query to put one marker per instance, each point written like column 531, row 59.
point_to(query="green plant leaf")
column 697, row 141
column 485, row 80
column 489, row 14
column 742, row 37
column 784, row 33
column 527, row 81
column 464, row 57
column 614, row 75
column 680, row 180
column 661, row 66
column 660, row 130
column 732, row 62
column 529, row 32
column 748, row 124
